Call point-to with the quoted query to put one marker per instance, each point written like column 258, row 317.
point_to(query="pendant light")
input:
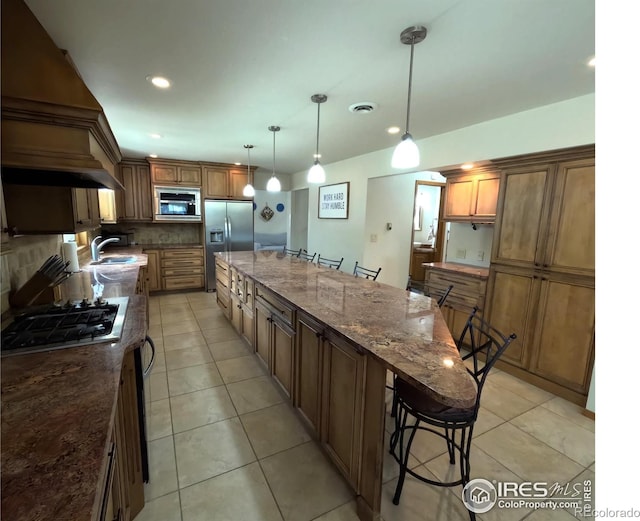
column 274, row 185
column 248, row 190
column 316, row 172
column 406, row 153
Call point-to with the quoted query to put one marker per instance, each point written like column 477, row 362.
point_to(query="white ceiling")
column 239, row 66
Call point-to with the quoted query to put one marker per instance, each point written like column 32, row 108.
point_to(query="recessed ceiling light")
column 592, row 62
column 467, row 166
column 159, row 81
column 393, row 130
column 237, row 163
column 153, row 155
column 155, row 136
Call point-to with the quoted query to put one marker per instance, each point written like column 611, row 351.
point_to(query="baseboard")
column 589, row 414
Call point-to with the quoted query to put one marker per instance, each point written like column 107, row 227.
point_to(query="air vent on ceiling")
column 363, row 107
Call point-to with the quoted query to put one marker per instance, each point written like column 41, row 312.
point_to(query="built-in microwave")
column 177, row 203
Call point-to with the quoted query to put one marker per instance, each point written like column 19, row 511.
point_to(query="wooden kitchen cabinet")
column 342, row 405
column 135, row 202
column 221, row 181
column 308, row 370
column 222, row 286
column 330, row 382
column 182, row 268
column 123, row 489
column 471, row 195
column 542, row 277
column 153, row 270
column 275, row 337
column 173, row 172
column 60, row 209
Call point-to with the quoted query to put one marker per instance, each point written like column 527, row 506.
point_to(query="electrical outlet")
column 480, row 255
column 373, row 238
column 461, row 254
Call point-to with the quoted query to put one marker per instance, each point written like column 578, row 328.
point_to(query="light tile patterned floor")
column 225, row 446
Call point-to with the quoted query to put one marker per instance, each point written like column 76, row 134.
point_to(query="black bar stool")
column 485, row 345
column 329, row 263
column 306, row 256
column 360, row 271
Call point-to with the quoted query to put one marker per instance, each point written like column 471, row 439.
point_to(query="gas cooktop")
column 69, row 325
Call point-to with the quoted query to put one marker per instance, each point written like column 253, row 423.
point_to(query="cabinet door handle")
column 537, row 264
column 545, row 265
column 535, row 276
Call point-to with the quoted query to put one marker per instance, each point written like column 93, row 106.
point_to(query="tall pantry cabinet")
column 542, row 278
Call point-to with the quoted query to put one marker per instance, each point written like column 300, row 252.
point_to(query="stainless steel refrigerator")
column 228, row 227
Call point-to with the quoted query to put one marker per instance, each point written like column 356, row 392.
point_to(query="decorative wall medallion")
column 280, row 207
column 266, row 213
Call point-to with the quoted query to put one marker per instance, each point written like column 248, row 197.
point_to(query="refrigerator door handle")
column 229, row 225
column 226, row 234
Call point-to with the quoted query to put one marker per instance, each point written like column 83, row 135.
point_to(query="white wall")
column 564, row 124
column 390, row 200
column 280, row 220
column 465, row 243
column 299, row 220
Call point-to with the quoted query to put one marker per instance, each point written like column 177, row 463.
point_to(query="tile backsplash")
column 157, row 233
column 20, row 258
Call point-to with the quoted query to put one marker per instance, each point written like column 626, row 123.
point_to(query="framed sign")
column 333, row 201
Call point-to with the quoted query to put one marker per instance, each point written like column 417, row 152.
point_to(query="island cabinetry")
column 308, row 370
column 343, row 377
column 222, row 286
column 241, row 304
column 275, row 336
column 182, row 268
column 50, row 209
column 135, row 202
column 222, row 181
column 471, row 195
column 468, row 292
column 542, row 277
column 165, row 172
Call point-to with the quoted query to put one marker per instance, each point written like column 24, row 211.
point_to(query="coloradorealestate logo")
column 479, row 495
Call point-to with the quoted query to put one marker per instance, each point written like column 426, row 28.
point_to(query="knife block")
column 35, row 291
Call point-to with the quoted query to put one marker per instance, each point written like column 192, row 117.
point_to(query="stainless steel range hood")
column 54, row 131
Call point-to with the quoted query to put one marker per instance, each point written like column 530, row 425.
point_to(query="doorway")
column 299, row 219
column 428, row 230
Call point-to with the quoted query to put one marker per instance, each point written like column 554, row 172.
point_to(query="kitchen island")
column 328, row 338
column 59, row 409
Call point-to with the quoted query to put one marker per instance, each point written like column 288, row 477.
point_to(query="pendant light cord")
column 318, row 134
column 274, row 153
column 413, row 39
column 249, row 166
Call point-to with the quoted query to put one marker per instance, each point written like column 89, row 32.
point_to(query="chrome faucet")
column 96, row 248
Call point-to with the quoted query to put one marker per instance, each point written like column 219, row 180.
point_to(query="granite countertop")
column 463, row 269
column 58, row 409
column 403, row 330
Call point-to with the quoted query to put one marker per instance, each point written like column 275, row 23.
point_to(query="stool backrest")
column 293, row 253
column 485, row 344
column 329, row 263
column 306, row 256
column 367, row 273
column 440, row 295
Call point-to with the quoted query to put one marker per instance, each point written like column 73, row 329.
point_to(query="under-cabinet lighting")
column 393, row 130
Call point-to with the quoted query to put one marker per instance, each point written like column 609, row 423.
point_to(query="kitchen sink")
column 115, row 260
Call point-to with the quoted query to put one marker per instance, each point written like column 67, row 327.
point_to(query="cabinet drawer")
column 191, row 281
column 182, row 253
column 462, row 285
column 275, row 305
column 182, row 262
column 186, row 272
